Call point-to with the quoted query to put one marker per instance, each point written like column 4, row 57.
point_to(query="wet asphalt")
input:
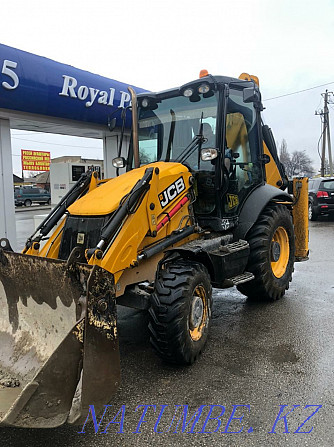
column 269, row 358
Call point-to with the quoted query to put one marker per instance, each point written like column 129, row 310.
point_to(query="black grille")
column 80, row 231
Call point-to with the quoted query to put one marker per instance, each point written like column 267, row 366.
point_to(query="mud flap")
column 56, row 318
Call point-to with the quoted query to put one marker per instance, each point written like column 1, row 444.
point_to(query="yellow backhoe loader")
column 202, row 204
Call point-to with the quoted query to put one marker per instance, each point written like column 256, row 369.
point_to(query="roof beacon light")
column 203, row 73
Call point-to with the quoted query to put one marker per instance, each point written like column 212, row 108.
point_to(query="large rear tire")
column 272, row 253
column 180, row 312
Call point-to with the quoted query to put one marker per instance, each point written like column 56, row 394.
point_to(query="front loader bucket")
column 57, row 326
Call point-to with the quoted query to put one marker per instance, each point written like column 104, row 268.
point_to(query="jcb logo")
column 232, row 201
column 173, row 190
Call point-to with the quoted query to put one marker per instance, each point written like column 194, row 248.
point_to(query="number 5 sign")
column 7, row 70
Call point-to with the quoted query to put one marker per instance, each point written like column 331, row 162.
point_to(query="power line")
column 299, row 91
column 322, row 133
column 57, row 144
column 31, row 133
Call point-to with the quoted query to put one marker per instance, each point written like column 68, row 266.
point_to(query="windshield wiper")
column 198, row 140
column 189, row 149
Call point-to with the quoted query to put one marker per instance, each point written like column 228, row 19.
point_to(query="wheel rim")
column 198, row 316
column 280, row 252
column 310, row 211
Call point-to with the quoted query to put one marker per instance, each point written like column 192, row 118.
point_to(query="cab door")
column 242, row 168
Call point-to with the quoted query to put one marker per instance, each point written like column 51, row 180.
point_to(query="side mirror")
column 265, row 158
column 250, row 95
column 119, row 162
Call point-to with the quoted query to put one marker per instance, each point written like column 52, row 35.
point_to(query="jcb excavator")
column 202, row 204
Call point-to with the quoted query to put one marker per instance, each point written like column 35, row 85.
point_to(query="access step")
column 234, row 247
column 239, row 279
column 229, row 261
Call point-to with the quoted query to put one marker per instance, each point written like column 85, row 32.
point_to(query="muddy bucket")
column 58, row 339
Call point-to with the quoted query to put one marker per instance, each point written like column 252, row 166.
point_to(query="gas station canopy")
column 35, row 85
column 39, row 94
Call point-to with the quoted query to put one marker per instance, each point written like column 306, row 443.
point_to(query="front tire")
column 272, row 253
column 180, row 312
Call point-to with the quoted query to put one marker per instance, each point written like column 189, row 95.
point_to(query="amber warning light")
column 203, row 73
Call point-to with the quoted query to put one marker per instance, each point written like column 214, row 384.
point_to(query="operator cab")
column 211, row 126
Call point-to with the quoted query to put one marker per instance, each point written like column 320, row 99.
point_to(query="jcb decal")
column 173, row 190
column 232, row 201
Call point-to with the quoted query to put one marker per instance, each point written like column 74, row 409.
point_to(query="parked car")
column 320, row 196
column 28, row 195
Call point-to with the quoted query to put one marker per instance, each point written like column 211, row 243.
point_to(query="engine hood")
column 106, row 197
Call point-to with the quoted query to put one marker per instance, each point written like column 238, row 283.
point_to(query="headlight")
column 144, row 102
column 208, row 154
column 203, row 88
column 188, row 92
column 118, row 162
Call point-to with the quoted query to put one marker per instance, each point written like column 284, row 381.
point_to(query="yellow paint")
column 272, row 173
column 281, row 237
column 94, row 182
column 300, row 217
column 51, row 247
column 105, row 199
column 197, row 332
column 134, row 236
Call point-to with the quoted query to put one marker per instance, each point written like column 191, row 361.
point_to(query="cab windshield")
column 167, row 128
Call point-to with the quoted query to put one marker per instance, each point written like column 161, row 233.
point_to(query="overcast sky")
column 156, row 45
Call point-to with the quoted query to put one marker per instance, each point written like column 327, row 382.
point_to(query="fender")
column 254, row 204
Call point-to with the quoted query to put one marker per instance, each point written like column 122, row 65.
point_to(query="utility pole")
column 324, row 114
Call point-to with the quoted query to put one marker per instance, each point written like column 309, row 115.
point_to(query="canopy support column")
column 7, row 207
column 110, row 147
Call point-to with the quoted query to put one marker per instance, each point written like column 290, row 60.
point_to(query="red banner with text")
column 35, row 160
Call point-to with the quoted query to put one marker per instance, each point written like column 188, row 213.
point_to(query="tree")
column 284, row 157
column 297, row 164
column 301, row 164
column 284, row 154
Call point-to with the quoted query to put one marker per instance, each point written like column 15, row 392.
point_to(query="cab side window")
column 241, row 151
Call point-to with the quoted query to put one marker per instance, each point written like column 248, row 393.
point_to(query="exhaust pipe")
column 134, row 127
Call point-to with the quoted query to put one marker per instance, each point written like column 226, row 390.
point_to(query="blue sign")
column 35, row 84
